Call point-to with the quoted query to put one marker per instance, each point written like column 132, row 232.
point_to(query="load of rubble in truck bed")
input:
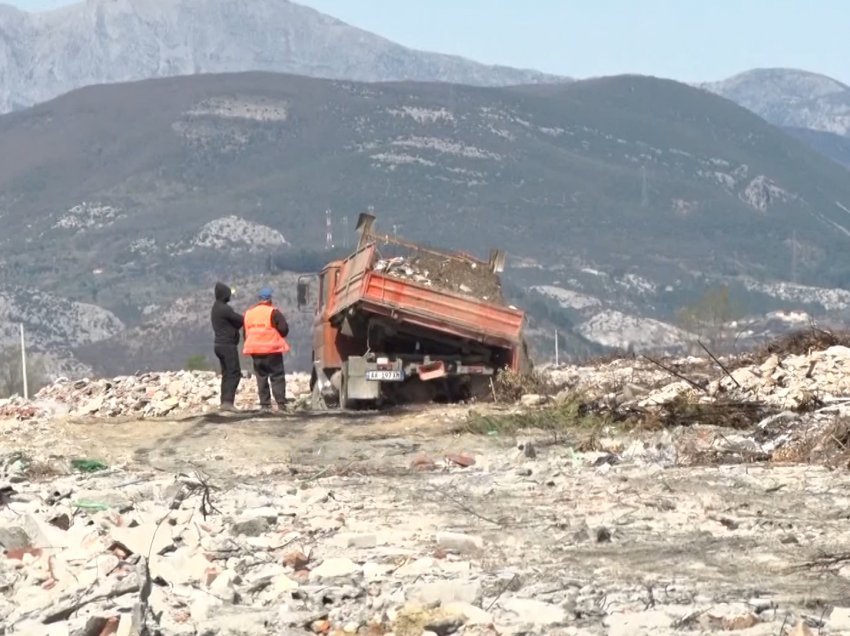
column 448, row 273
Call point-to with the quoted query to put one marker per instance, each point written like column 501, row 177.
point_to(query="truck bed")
column 360, row 286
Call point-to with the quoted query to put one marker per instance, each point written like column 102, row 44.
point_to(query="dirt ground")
column 624, row 545
column 228, row 445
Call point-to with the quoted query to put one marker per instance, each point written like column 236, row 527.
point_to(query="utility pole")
column 329, row 237
column 557, row 359
column 24, row 363
column 794, row 256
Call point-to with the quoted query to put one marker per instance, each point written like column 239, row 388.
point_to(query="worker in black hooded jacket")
column 226, row 324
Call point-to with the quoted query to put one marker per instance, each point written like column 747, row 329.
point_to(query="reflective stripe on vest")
column 261, row 337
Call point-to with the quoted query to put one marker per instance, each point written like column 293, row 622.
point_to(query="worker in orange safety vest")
column 265, row 341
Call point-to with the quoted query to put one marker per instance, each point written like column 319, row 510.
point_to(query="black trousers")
column 269, row 371
column 231, row 372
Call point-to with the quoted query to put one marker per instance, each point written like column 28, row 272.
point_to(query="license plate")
column 385, row 376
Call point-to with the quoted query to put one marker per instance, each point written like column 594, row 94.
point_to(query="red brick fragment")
column 110, row 627
column 422, row 463
column 464, row 460
column 296, row 559
column 17, row 554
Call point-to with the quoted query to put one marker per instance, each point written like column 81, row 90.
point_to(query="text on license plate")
column 385, row 376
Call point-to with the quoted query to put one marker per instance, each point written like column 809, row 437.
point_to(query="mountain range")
column 128, row 197
column 791, row 98
column 812, row 107
column 46, row 54
column 43, row 55
column 619, row 200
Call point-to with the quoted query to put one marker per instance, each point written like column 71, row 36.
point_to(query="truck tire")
column 344, row 402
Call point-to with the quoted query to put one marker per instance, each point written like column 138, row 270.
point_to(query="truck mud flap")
column 432, row 370
column 355, row 384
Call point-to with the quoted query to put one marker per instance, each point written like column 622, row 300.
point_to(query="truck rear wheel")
column 481, row 388
column 344, row 402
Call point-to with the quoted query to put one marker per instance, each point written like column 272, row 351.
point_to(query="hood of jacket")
column 222, row 292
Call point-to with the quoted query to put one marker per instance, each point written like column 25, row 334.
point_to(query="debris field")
column 691, row 496
column 143, row 395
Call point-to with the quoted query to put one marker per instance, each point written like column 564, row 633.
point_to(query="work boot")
column 228, row 407
column 265, row 408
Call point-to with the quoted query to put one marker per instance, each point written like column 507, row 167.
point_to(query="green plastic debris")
column 88, row 465
column 90, row 505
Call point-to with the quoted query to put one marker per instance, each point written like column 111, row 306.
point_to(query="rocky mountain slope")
column 43, row 55
column 168, row 334
column 790, row 97
column 630, row 195
column 811, row 107
column 836, row 147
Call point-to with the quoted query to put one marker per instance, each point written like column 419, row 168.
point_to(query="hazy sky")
column 689, row 40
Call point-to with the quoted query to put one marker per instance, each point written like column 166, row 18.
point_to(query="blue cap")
column 265, row 293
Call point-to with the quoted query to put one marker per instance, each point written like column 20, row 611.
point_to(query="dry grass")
column 39, row 470
column 829, row 446
column 798, row 343
column 26, row 466
column 724, row 414
column 509, row 386
column 568, row 416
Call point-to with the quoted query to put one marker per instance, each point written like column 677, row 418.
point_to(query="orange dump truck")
column 425, row 325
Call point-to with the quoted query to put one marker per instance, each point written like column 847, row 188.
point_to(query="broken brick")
column 423, row 463
column 296, row 559
column 464, row 460
column 17, row 554
column 110, row 627
column 210, row 575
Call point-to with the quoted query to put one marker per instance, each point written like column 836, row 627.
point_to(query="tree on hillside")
column 11, row 378
column 711, row 319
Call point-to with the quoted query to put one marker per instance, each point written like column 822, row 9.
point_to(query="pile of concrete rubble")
column 457, row 275
column 400, row 267
column 778, row 407
column 143, row 395
column 110, row 552
column 791, row 382
column 794, row 381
